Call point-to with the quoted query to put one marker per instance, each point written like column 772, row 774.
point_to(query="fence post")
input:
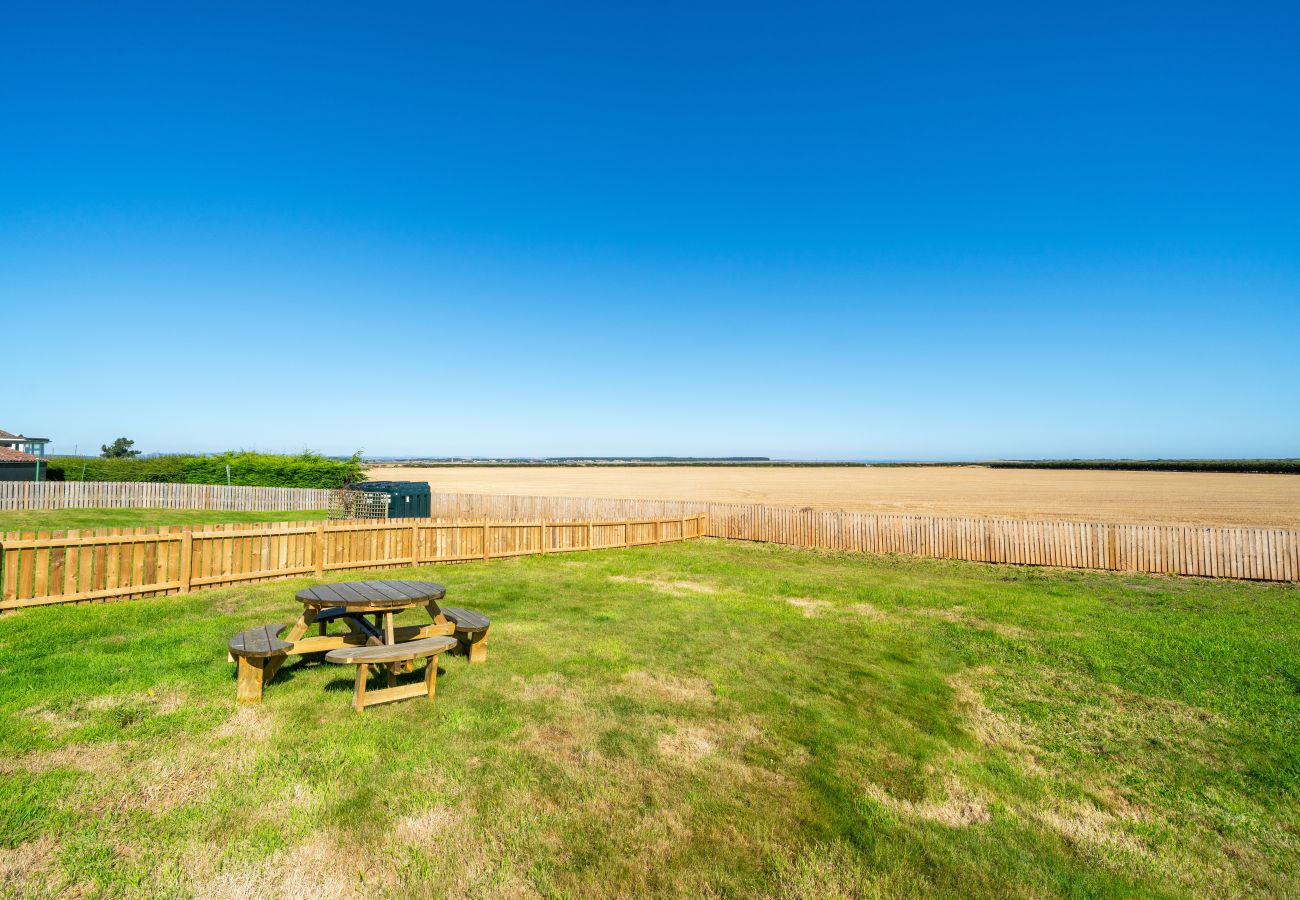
column 659, row 532
column 319, row 555
column 487, row 550
column 542, row 528
column 627, row 533
column 187, row 547
column 415, row 545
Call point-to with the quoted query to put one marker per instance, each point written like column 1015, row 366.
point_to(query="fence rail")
column 44, row 567
column 148, row 495
column 1264, row 554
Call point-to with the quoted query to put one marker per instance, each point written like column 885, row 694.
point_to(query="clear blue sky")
column 833, row 231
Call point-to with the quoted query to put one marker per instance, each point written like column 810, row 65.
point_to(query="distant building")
column 22, row 457
column 15, row 465
column 23, row 444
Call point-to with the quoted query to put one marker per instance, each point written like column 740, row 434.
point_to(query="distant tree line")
column 1269, row 466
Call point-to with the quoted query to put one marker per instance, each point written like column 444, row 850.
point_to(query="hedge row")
column 1269, row 466
column 254, row 469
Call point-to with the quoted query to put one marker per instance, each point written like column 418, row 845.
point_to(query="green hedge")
column 77, row 468
column 246, row 468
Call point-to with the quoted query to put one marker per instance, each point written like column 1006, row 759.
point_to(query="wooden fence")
column 78, row 566
column 147, row 495
column 1265, row 554
column 43, row 567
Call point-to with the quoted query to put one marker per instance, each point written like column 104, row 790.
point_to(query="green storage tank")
column 406, row 499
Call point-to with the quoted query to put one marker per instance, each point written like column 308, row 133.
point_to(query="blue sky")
column 905, row 230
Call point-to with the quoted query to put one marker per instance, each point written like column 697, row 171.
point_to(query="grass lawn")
column 62, row 519
column 699, row 719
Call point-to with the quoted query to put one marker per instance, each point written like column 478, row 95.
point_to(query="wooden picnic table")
column 348, row 602
column 261, row 651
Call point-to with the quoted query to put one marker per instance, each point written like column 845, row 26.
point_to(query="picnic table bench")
column 250, row 649
column 471, row 631
column 389, row 657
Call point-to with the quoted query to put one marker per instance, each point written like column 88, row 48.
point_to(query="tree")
column 120, row 449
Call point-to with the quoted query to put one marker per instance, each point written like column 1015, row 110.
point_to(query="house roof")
column 10, row 455
column 7, row 435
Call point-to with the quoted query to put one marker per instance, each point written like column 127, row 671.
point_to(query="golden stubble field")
column 1155, row 497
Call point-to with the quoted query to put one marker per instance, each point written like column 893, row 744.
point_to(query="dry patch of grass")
column 248, row 723
column 1087, row 718
column 1086, row 826
column 1084, row 715
column 228, row 604
column 26, row 865
column 667, row 586
column 163, row 785
column 547, row 686
column 688, row 744
column 991, row 728
column 669, row 687
column 809, row 606
column 561, row 744
column 425, row 827
column 959, row 616
column 833, row 872
column 958, row 808
column 867, row 611
column 94, row 758
column 320, row 867
column 141, row 775
column 60, row 720
column 129, row 775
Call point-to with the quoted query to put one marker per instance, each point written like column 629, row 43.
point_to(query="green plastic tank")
column 406, row 499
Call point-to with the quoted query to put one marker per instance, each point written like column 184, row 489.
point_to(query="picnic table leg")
column 359, row 694
column 435, row 613
column 477, row 648
column 431, row 675
column 305, row 621
column 249, row 684
column 295, row 633
column 393, row 668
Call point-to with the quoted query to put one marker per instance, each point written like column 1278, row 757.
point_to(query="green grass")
column 63, row 519
column 701, row 719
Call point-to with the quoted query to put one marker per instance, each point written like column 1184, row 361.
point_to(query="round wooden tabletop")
column 373, row 595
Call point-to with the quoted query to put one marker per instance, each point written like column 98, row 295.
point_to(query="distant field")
column 64, row 519
column 1095, row 496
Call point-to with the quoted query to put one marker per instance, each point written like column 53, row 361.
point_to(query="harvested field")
column 1091, row 496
